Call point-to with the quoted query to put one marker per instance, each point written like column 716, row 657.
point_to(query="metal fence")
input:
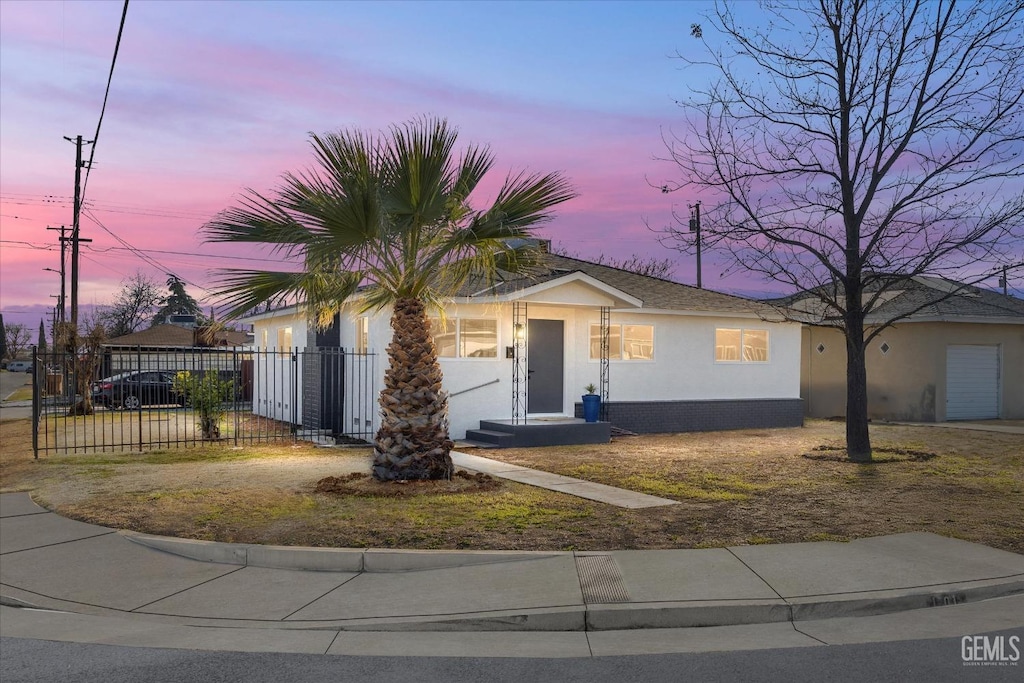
column 130, row 400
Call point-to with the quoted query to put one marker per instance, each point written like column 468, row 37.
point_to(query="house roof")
column 173, row 336
column 933, row 299
column 652, row 292
column 626, row 288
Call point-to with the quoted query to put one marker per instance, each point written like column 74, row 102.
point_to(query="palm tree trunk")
column 412, row 442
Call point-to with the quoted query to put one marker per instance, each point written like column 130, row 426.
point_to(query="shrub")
column 205, row 393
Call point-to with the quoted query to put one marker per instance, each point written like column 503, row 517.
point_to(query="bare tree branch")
column 847, row 145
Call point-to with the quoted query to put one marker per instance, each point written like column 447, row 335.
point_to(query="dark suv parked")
column 132, row 390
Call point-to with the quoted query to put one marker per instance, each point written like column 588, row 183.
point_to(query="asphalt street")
column 933, row 661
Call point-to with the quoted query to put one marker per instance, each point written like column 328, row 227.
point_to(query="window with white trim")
column 363, row 334
column 736, row 345
column 625, row 342
column 265, row 339
column 465, row 337
column 284, row 337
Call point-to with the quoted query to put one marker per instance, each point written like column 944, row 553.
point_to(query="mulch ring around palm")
column 360, row 484
column 879, row 455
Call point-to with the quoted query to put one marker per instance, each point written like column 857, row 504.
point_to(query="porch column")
column 606, row 315
column 519, row 367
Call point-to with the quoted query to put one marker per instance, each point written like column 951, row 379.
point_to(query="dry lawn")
column 742, row 487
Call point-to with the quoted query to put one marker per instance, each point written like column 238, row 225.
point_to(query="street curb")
column 330, row 559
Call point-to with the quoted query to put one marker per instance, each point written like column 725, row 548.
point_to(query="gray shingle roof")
column 175, row 336
column 655, row 293
column 932, row 298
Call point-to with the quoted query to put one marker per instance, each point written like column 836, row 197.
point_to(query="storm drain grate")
column 601, row 579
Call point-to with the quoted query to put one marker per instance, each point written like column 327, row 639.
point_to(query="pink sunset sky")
column 208, row 98
column 211, row 97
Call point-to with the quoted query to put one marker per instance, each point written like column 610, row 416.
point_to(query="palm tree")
column 391, row 212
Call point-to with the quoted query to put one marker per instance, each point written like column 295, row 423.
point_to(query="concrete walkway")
column 556, row 482
column 65, row 580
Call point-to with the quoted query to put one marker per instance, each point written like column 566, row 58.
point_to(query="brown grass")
column 742, row 487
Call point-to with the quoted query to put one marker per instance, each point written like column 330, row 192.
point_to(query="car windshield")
column 118, row 378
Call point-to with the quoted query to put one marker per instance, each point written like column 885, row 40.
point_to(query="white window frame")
column 363, row 334
column 457, row 323
column 741, row 359
column 622, row 344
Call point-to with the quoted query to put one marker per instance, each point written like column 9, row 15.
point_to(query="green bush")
column 206, row 393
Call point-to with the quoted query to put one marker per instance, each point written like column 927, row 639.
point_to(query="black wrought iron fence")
column 136, row 399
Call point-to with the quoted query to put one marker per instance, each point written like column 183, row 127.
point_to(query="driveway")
column 12, row 381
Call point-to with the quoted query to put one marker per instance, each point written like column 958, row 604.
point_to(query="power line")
column 106, row 95
column 143, row 256
column 107, row 207
column 96, row 250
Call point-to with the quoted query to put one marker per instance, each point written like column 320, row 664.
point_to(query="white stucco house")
column 677, row 358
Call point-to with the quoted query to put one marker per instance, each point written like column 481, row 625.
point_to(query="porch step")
column 553, row 431
column 491, row 437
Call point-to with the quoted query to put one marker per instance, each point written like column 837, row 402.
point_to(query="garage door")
column 972, row 382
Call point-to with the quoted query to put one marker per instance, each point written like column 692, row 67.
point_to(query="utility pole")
column 75, row 237
column 62, row 301
column 1002, row 281
column 695, row 227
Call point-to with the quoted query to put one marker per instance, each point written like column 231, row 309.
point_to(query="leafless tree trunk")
column 849, row 145
column 17, row 337
column 133, row 308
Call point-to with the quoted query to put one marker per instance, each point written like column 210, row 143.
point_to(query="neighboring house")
column 961, row 358
column 173, row 347
column 679, row 358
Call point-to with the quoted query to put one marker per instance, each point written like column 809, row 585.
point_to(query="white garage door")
column 972, row 382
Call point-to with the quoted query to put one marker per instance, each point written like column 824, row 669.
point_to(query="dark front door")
column 545, row 360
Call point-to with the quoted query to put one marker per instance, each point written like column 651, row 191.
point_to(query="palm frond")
column 391, row 210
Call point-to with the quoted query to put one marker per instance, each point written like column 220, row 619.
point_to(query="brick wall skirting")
column 652, row 417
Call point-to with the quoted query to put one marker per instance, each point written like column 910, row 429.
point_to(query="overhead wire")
column 106, row 95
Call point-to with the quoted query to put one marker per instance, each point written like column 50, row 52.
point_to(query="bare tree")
column 16, row 339
column 82, row 353
column 650, row 266
column 849, row 145
column 133, row 308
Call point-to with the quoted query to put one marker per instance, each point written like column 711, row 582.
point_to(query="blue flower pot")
column 591, row 407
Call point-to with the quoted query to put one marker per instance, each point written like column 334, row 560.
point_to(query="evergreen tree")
column 178, row 302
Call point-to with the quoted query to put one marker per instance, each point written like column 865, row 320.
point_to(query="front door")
column 545, row 360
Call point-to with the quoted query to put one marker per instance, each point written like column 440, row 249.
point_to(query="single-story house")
column 173, row 347
column 957, row 355
column 676, row 358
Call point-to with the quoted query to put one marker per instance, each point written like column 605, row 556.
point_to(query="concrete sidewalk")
column 601, row 493
column 101, row 585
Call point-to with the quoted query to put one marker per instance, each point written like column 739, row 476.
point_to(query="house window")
column 363, row 334
column 625, row 342
column 264, row 338
column 478, row 338
column 284, row 337
column 465, row 337
column 741, row 345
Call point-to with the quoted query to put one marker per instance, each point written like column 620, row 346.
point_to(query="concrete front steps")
column 544, row 431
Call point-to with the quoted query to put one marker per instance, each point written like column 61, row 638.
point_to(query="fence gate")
column 133, row 400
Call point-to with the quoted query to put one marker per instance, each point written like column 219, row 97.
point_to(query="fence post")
column 236, row 375
column 296, row 369
column 138, row 365
column 35, row 405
